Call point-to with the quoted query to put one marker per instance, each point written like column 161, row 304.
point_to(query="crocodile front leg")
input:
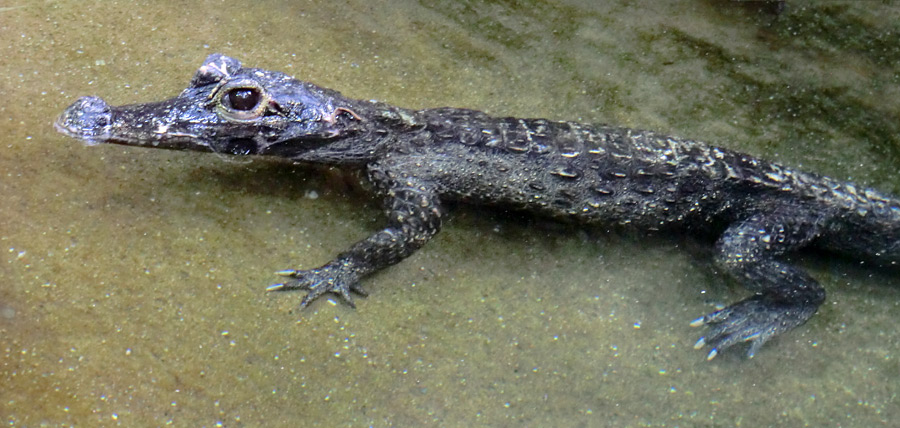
column 785, row 296
column 414, row 216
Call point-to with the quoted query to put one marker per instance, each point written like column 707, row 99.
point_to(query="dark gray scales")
column 587, row 173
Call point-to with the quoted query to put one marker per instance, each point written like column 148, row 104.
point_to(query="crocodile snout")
column 88, row 119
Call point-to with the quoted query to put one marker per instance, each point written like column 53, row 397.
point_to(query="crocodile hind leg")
column 785, row 296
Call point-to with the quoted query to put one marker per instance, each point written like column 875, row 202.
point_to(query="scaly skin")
column 586, row 173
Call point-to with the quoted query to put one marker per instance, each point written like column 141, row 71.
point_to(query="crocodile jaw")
column 167, row 124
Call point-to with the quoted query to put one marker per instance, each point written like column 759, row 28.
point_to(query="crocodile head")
column 226, row 109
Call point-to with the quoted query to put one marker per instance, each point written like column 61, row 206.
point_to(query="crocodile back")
column 586, row 172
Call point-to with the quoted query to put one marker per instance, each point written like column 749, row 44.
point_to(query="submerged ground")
column 131, row 284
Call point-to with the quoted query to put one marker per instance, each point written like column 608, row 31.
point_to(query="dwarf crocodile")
column 419, row 159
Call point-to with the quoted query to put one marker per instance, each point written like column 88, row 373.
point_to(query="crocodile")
column 418, row 160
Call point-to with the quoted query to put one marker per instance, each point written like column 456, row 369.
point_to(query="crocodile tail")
column 868, row 224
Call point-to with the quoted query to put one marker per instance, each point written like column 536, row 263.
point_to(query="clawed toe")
column 276, row 287
column 331, row 278
column 754, row 320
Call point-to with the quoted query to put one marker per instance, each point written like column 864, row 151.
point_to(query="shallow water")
column 133, row 282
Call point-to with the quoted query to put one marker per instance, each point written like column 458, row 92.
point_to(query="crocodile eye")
column 241, row 101
column 244, row 99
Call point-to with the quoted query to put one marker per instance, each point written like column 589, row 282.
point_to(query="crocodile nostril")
column 88, row 118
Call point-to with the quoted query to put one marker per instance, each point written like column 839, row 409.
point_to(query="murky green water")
column 132, row 280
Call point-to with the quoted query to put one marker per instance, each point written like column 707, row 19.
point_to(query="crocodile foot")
column 756, row 320
column 332, row 278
